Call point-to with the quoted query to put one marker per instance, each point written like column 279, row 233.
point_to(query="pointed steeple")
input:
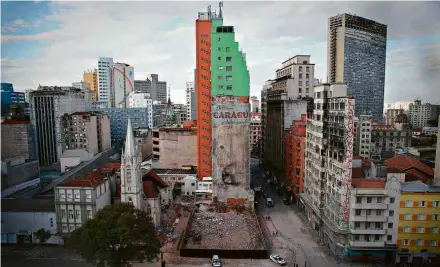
column 130, row 150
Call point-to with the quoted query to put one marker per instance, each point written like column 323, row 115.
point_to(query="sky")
column 53, row 43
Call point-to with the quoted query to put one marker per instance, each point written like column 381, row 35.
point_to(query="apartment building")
column 91, row 77
column 419, row 114
column 255, row 129
column 78, row 200
column 105, row 65
column 255, row 104
column 391, row 114
column 191, row 101
column 49, row 104
column 363, row 136
column 328, row 164
column 374, row 215
column 419, row 224
column 295, row 150
column 266, row 87
column 89, row 131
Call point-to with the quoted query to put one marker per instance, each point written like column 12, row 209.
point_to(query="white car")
column 277, row 259
column 215, row 261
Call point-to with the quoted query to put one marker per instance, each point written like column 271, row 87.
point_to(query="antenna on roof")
column 220, row 5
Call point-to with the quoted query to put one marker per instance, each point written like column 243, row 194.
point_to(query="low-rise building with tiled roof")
column 414, row 169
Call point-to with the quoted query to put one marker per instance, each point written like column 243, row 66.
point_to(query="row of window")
column 228, row 68
column 370, row 200
column 75, row 215
column 419, row 217
column 420, row 230
column 368, row 225
column 418, row 242
column 419, row 204
column 70, row 196
column 368, row 212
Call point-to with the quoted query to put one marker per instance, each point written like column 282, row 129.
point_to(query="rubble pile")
column 229, row 230
column 187, row 198
column 218, row 207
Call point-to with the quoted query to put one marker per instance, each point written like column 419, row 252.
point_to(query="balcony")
column 369, row 218
column 371, row 244
column 370, row 231
column 370, row 206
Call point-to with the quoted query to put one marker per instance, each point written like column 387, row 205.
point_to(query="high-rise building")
column 255, row 104
column 190, row 101
column 143, row 86
column 122, row 84
column 419, row 114
column 356, row 55
column 91, row 77
column 142, row 100
column 105, row 65
column 158, row 88
column 10, row 98
column 231, row 114
column 47, row 106
column 264, row 91
column 328, row 163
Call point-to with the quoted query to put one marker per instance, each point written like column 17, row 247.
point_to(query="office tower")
column 9, row 98
column 142, row 100
column 105, row 65
column 142, row 86
column 158, row 88
column 122, row 84
column 91, row 77
column 356, row 54
column 190, row 101
column 47, row 105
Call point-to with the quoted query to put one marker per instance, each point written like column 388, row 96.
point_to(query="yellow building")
column 418, row 237
column 91, row 77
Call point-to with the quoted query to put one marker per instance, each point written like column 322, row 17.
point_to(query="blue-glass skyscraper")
column 9, row 97
column 356, row 55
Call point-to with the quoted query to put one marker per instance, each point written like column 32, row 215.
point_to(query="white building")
column 299, row 76
column 23, row 217
column 105, row 65
column 374, row 213
column 81, row 85
column 190, row 101
column 363, row 136
column 122, row 84
column 398, row 105
column 328, row 163
column 419, row 114
column 142, row 100
column 78, row 200
column 189, row 185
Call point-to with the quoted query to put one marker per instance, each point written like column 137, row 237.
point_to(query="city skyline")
column 39, row 34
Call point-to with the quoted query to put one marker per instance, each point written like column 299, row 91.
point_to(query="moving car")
column 269, row 202
column 215, row 261
column 278, row 259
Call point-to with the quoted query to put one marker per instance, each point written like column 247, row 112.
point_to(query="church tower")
column 131, row 176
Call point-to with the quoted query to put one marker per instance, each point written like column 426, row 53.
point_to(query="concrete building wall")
column 20, row 173
column 104, row 133
column 15, row 140
column 91, row 77
column 177, row 147
column 122, row 84
column 230, row 147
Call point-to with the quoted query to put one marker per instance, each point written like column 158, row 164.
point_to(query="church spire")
column 129, row 142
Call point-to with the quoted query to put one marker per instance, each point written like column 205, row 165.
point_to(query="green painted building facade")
column 229, row 73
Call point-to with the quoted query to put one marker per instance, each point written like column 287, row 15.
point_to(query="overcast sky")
column 53, row 43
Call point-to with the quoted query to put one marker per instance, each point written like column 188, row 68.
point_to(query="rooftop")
column 404, row 162
column 174, row 171
column 368, row 183
column 93, row 179
column 419, row 187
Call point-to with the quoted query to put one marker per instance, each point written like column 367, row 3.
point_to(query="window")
column 435, row 217
column 379, row 200
column 391, row 213
column 420, row 229
column 392, row 199
column 421, row 203
column 76, row 196
column 69, row 196
column 220, row 67
column 307, row 69
column 64, row 228
column 433, row 243
column 434, row 230
column 435, row 203
column 378, row 225
column 390, row 225
column 421, row 217
column 367, row 225
column 367, row 237
column 369, row 199
column 130, row 201
column 376, row 237
column 368, row 212
column 408, row 203
column 357, row 225
column 419, row 242
column 407, row 217
column 406, row 229
column 220, row 77
column 378, row 212
column 63, row 214
column 300, row 68
column 356, row 237
column 300, row 76
column 228, row 78
column 358, row 199
column 228, row 49
column 62, row 195
column 76, row 214
column 219, row 58
column 389, row 237
column 229, row 87
column 405, row 242
column 300, row 83
column 358, row 212
column 228, row 68
column 219, row 49
column 88, row 195
column 70, row 214
column 71, row 228
column 89, row 214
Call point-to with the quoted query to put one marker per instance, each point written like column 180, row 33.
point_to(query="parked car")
column 269, row 202
column 215, row 261
column 278, row 259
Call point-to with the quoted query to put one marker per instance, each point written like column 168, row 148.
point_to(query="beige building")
column 86, row 130
column 391, row 115
column 91, row 77
column 175, row 147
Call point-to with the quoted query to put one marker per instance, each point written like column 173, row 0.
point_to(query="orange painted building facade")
column 295, row 142
column 203, row 92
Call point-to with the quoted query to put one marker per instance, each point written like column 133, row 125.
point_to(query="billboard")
column 231, row 119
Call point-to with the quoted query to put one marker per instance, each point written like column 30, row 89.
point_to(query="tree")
column 42, row 235
column 117, row 234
